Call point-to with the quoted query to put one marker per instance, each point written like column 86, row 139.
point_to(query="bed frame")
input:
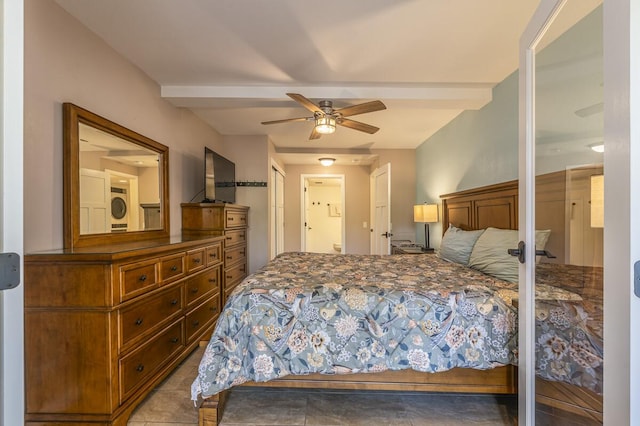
column 493, row 205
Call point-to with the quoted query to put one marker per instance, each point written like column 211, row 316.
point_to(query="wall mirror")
column 116, row 185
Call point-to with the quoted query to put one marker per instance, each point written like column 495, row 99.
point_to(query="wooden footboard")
column 210, row 411
column 501, row 380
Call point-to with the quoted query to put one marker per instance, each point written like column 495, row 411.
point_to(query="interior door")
column 561, row 211
column 277, row 212
column 380, row 210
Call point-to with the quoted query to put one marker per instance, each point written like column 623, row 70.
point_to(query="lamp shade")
column 326, row 161
column 425, row 213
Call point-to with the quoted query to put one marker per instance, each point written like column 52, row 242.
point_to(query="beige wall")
column 250, row 154
column 65, row 62
column 356, row 209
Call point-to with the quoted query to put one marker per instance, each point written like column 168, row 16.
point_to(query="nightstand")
column 409, row 248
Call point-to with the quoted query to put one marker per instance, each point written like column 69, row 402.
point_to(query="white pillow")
column 490, row 256
column 457, row 244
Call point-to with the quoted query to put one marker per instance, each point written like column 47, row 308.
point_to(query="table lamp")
column 425, row 213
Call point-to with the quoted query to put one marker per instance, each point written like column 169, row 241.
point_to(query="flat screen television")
column 219, row 178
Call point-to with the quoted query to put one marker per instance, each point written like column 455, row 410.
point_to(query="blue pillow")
column 457, row 244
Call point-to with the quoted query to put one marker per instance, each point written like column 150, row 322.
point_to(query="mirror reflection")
column 570, row 204
column 119, row 184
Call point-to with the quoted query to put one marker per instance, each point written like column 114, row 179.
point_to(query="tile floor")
column 170, row 405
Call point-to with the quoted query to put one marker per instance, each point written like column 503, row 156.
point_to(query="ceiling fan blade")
column 304, row 102
column 314, row 134
column 361, row 108
column 286, row 120
column 590, row 110
column 356, row 125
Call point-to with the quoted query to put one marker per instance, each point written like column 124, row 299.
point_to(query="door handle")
column 387, row 235
column 519, row 252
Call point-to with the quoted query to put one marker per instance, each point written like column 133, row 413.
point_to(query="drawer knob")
column 229, row 277
column 229, row 257
column 228, row 238
column 174, row 268
column 174, row 302
column 213, row 255
column 230, row 219
column 174, row 340
column 194, row 290
column 213, row 280
column 139, row 321
column 196, row 260
column 214, row 309
column 140, row 368
column 143, row 277
column 196, row 323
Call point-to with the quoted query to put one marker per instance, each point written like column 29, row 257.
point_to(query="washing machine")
column 119, row 209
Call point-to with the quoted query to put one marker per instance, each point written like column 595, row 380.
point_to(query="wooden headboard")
column 478, row 208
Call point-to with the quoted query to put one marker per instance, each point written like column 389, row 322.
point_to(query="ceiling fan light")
column 327, row 161
column 325, row 125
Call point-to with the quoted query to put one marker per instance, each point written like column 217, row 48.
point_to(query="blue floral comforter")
column 334, row 314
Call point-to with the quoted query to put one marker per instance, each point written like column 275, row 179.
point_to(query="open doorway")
column 323, row 213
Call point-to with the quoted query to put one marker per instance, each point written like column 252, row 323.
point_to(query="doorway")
column 323, row 213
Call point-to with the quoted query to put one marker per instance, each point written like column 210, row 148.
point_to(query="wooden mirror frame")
column 72, row 117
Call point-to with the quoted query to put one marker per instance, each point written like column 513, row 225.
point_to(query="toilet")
column 337, row 247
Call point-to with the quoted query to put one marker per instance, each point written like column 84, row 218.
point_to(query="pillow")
column 456, row 244
column 489, row 254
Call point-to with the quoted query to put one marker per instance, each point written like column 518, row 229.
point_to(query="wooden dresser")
column 228, row 220
column 104, row 325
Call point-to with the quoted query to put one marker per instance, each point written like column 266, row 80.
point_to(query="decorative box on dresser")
column 104, row 325
column 228, row 220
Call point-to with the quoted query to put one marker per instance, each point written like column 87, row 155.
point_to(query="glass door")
column 561, row 208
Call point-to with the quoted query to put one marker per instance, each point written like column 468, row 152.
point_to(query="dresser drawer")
column 196, row 260
column 138, row 366
column 235, row 255
column 201, row 317
column 233, row 238
column 235, row 219
column 137, row 278
column 213, row 254
column 234, row 274
column 172, row 267
column 202, row 284
column 142, row 316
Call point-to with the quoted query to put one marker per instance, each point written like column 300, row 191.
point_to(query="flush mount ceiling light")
column 325, row 125
column 597, row 147
column 327, row 161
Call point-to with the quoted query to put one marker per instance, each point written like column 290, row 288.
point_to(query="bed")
column 400, row 322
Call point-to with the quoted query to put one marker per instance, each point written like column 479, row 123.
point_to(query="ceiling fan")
column 326, row 117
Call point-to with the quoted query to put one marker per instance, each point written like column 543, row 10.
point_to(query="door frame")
column 540, row 22
column 12, row 390
column 303, row 210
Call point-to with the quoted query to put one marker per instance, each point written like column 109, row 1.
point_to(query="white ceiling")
column 233, row 61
